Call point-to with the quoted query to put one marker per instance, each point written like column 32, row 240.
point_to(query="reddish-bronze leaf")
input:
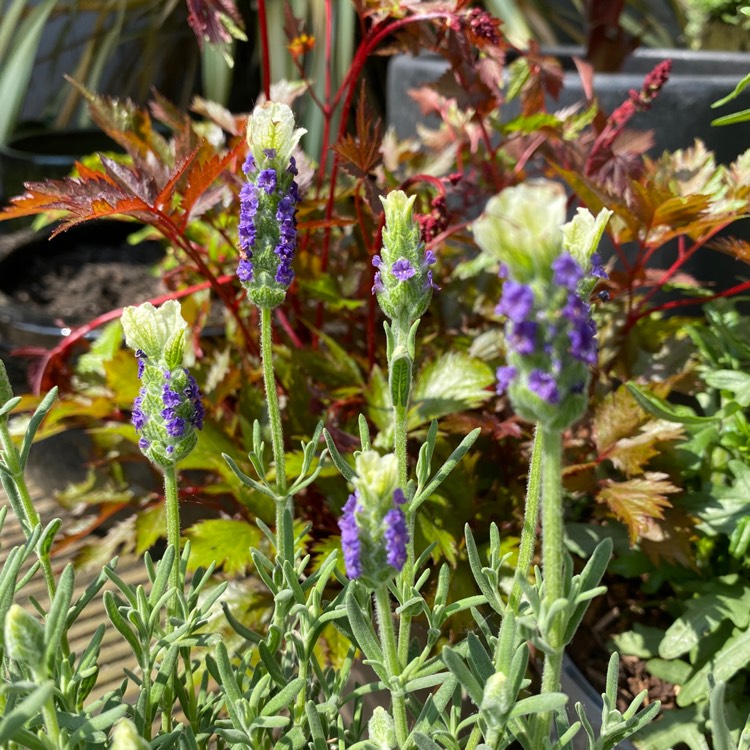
column 637, row 502
column 361, row 152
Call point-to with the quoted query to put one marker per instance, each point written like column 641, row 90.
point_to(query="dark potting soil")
column 82, row 280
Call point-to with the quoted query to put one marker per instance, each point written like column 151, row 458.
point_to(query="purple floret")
column 170, row 397
column 377, row 283
column 505, row 377
column 143, row 444
column 269, row 153
column 350, row 543
column 517, row 301
column 597, row 269
column 396, row 538
column 523, row 337
column 249, row 166
column 544, row 385
column 583, row 341
column 139, row 417
column 292, row 168
column 245, row 270
column 402, row 269
column 399, row 498
column 175, row 424
column 567, row 272
column 267, row 180
column 429, row 258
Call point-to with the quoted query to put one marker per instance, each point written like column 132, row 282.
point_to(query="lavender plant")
column 193, row 688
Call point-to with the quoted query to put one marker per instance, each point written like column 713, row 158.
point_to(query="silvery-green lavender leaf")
column 11, row 723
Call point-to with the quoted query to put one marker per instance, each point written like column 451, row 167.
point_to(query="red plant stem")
column 671, row 305
column 326, row 107
column 682, row 257
column 283, row 321
column 265, row 56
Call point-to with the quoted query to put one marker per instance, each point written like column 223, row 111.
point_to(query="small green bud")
column 403, row 282
column 581, row 237
column 382, row 729
column 496, row 702
column 24, row 638
column 157, row 332
column 125, row 737
column 6, row 390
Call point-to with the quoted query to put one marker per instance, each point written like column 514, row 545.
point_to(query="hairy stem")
column 172, row 504
column 277, row 435
column 392, row 664
column 552, row 564
column 530, row 519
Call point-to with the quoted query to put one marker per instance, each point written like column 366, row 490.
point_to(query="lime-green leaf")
column 453, row 383
column 222, row 540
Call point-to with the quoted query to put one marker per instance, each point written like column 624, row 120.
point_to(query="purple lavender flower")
column 269, row 153
column 505, row 377
column 292, row 168
column 429, row 258
column 396, row 538
column 583, row 341
column 516, row 302
column 141, row 356
column 597, row 269
column 523, row 337
column 377, row 284
column 267, row 180
column 377, row 261
column 403, row 270
column 350, row 543
column 245, row 270
column 567, row 272
column 169, row 397
column 544, row 385
column 138, row 417
column 399, row 498
column 175, row 424
column 249, row 166
column 143, row 444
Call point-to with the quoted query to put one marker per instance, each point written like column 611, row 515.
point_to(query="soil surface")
column 76, row 281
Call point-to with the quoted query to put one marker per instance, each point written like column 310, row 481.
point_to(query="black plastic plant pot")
column 50, row 286
column 681, row 113
column 46, row 154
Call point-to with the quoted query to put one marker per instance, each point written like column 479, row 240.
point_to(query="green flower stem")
column 552, row 564
column 407, row 581
column 13, row 462
column 277, row 435
column 392, row 664
column 49, row 716
column 172, row 503
column 530, row 520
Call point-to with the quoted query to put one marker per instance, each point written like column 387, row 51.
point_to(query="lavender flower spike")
column 268, row 205
column 168, row 409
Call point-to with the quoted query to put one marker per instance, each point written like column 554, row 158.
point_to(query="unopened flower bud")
column 496, row 702
column 125, row 737
column 382, row 729
column 374, row 535
column 403, row 282
column 24, row 638
column 268, row 205
column 168, row 409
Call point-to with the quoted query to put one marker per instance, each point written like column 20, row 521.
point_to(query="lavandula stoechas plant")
column 550, row 269
column 377, row 523
column 268, row 240
column 168, row 410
